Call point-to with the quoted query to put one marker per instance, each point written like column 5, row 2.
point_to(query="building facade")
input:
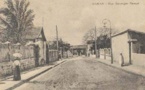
column 37, row 36
column 129, row 45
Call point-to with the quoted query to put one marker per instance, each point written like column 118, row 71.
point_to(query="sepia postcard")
column 72, row 44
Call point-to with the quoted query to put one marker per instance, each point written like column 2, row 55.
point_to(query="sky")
column 75, row 17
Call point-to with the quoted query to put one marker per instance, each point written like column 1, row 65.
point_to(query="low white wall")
column 7, row 69
column 105, row 53
column 101, row 56
column 138, row 59
column 108, row 57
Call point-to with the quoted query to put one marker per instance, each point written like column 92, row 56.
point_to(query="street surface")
column 85, row 74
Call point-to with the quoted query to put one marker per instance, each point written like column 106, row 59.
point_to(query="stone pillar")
column 41, row 45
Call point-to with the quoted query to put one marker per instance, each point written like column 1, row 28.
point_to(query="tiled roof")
column 33, row 33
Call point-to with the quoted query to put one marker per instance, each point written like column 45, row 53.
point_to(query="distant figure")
column 59, row 56
column 16, row 69
column 42, row 61
column 88, row 54
column 121, row 61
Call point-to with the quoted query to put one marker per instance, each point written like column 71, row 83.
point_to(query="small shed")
column 129, row 45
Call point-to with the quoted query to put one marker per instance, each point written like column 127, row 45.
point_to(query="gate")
column 36, row 55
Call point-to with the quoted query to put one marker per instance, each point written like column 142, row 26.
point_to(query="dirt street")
column 85, row 74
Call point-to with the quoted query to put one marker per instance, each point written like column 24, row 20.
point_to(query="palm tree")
column 17, row 19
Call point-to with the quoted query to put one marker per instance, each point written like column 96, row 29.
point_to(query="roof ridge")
column 127, row 30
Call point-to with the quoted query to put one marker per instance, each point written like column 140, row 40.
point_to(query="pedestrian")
column 121, row 61
column 16, row 69
column 59, row 56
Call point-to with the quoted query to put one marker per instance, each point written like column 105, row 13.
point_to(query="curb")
column 24, row 81
column 122, row 69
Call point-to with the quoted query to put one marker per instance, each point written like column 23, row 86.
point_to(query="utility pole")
column 96, row 44
column 42, row 27
column 57, row 41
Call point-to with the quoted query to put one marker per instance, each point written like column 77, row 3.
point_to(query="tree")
column 90, row 35
column 61, row 43
column 103, row 37
column 16, row 19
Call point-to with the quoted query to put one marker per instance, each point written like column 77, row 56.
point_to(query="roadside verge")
column 9, row 84
column 136, row 70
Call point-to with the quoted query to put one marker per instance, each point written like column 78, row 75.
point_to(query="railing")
column 105, row 53
column 53, row 55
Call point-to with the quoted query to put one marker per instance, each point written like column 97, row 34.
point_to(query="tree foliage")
column 102, row 37
column 61, row 44
column 16, row 19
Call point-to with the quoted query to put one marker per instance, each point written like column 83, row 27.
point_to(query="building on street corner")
column 129, row 46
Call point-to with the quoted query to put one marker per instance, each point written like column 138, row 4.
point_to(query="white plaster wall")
column 41, row 49
column 138, row 59
column 120, row 45
column 44, row 50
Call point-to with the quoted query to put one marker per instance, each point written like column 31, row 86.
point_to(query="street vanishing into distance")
column 72, row 45
column 85, row 73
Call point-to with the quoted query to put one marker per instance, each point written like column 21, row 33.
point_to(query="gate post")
column 47, row 54
column 36, row 55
